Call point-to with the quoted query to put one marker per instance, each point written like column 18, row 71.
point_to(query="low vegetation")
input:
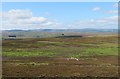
column 61, row 57
column 61, row 47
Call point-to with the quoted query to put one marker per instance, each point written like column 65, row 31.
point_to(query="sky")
column 59, row 15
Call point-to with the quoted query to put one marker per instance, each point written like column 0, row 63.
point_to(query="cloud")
column 50, row 23
column 108, row 22
column 17, row 14
column 115, row 5
column 38, row 19
column 112, row 12
column 96, row 9
column 24, row 19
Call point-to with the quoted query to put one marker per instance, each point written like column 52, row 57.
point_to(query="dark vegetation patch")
column 71, row 36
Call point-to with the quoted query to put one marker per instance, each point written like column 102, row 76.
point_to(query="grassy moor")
column 95, row 56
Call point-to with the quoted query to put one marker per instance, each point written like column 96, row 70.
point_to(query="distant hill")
column 72, row 30
column 54, row 32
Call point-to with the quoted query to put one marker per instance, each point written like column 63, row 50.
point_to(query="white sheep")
column 76, row 59
column 72, row 58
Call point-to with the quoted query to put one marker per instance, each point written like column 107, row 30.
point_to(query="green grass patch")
column 95, row 52
column 29, row 54
column 32, row 63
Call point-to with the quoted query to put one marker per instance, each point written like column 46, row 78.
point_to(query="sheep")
column 76, row 59
column 72, row 58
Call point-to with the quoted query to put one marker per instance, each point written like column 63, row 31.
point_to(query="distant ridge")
column 42, row 33
column 67, row 30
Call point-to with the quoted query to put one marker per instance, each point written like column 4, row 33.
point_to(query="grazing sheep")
column 76, row 59
column 72, row 58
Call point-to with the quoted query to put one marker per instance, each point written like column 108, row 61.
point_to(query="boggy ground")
column 97, row 56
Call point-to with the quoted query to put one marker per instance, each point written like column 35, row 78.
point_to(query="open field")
column 64, row 57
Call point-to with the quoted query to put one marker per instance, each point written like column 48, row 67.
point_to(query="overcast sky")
column 59, row 15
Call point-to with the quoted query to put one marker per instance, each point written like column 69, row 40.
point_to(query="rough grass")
column 27, row 54
column 96, row 52
column 48, row 57
column 61, row 47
